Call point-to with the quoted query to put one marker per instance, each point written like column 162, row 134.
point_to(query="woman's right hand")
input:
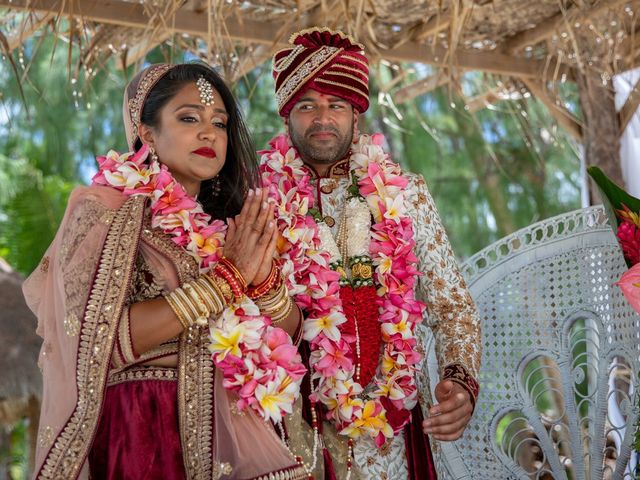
column 251, row 234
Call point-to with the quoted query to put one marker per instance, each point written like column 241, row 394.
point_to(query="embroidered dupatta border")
column 97, row 336
column 195, row 404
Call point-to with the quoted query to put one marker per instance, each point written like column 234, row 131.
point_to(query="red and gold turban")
column 324, row 60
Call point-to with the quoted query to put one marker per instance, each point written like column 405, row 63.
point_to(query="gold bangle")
column 198, row 302
column 273, row 296
column 214, row 290
column 203, row 314
column 203, row 295
column 222, row 285
column 275, row 319
column 193, row 311
column 210, row 295
column 176, row 310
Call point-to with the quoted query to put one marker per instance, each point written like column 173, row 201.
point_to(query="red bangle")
column 231, row 279
column 272, row 281
column 234, row 270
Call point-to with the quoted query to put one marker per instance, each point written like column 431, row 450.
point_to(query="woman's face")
column 191, row 138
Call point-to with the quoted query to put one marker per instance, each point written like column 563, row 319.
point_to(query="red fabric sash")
column 419, row 456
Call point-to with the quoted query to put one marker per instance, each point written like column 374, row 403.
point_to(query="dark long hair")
column 240, row 170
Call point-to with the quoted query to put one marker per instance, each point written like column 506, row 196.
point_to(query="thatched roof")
column 531, row 44
column 20, row 377
column 416, row 30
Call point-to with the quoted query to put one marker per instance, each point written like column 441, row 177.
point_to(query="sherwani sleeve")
column 451, row 312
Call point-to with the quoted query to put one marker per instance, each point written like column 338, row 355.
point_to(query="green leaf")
column 613, row 196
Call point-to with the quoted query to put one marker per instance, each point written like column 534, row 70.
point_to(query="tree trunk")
column 601, row 133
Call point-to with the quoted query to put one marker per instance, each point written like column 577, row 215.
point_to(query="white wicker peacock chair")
column 560, row 361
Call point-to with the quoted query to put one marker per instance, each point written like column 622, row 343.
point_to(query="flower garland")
column 258, row 360
column 311, row 264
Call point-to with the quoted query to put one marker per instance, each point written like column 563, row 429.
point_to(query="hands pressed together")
column 450, row 416
column 251, row 237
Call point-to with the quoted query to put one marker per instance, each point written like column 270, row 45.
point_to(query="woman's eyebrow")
column 200, row 107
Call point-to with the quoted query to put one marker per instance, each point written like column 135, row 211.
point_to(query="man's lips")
column 205, row 152
column 322, row 135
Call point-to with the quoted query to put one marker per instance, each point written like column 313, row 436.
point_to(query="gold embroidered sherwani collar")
column 339, row 169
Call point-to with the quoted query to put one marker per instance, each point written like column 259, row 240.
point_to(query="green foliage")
column 19, row 459
column 613, row 196
column 491, row 172
column 255, row 94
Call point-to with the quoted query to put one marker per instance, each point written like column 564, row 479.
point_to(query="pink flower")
column 333, row 356
column 378, row 139
column 629, row 237
column 629, row 283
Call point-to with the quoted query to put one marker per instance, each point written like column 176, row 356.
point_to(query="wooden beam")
column 129, row 14
column 630, row 107
column 479, row 60
column 409, row 92
column 433, row 26
column 561, row 114
column 140, row 49
column 28, row 27
column 544, row 30
column 482, row 101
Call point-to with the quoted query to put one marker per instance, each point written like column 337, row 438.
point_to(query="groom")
column 379, row 230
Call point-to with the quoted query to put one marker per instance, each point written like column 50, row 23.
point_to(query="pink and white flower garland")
column 258, row 360
column 306, row 265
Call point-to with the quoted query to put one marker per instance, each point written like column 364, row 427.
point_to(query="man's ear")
column 146, row 134
column 356, row 132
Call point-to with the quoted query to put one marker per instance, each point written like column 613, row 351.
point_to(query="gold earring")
column 154, row 156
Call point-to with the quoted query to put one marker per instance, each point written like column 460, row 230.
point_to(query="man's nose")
column 323, row 116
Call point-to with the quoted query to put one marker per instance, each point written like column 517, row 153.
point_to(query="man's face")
column 321, row 128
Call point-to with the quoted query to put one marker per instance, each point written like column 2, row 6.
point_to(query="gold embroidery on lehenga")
column 145, row 285
column 143, row 373
column 70, row 448
column 45, row 436
column 71, row 325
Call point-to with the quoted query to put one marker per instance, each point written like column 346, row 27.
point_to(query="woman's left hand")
column 267, row 261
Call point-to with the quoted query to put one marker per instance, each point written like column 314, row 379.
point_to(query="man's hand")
column 450, row 416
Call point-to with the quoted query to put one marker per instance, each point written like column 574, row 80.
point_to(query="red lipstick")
column 205, row 152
